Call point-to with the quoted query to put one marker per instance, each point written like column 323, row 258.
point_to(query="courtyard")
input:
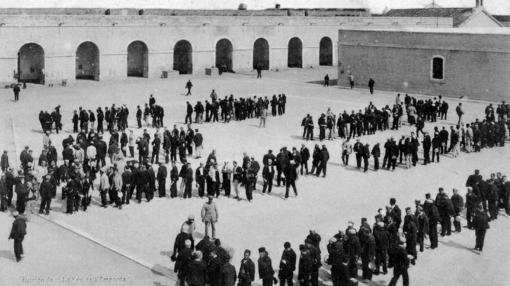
column 132, row 246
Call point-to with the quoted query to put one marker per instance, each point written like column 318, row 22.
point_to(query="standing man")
column 401, row 264
column 460, row 113
column 287, row 265
column 16, row 91
column 371, row 84
column 246, row 270
column 18, row 232
column 46, row 191
column 161, row 177
column 480, row 224
column 189, row 85
column 326, row 80
column 265, row 268
column 4, row 162
column 267, row 176
column 210, row 216
column 351, row 80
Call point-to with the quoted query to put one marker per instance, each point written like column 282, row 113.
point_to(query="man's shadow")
column 7, row 255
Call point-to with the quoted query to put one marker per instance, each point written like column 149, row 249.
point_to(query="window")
column 438, row 68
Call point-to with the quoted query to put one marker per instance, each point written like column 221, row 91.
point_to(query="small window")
column 438, row 68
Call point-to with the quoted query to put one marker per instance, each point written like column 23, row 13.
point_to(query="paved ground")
column 145, row 232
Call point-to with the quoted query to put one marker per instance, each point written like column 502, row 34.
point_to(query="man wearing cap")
column 287, row 265
column 246, row 270
column 210, row 216
column 266, row 271
column 18, row 232
column 46, row 191
column 480, row 225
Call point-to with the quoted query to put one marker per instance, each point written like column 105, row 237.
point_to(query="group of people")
column 48, row 119
column 231, row 108
column 393, row 241
column 372, row 119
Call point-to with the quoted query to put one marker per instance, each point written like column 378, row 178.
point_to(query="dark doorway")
column 261, row 54
column 295, row 55
column 326, row 52
column 31, row 63
column 137, row 59
column 87, row 61
column 183, row 57
column 224, row 55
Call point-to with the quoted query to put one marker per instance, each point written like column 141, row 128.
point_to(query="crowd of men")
column 374, row 119
column 471, row 137
column 393, row 241
column 231, row 108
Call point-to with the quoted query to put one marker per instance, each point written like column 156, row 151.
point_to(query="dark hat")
column 262, row 249
column 286, row 244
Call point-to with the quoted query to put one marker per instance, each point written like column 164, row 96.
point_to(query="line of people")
column 231, row 108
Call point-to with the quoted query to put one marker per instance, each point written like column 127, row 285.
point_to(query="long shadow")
column 321, row 82
column 457, row 245
column 7, row 255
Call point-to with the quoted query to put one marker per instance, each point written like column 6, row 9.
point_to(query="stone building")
column 465, row 17
column 51, row 45
column 473, row 63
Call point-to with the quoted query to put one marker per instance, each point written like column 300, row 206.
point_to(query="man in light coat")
column 210, row 216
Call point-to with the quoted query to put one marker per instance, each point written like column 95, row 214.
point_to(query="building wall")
column 476, row 65
column 60, row 35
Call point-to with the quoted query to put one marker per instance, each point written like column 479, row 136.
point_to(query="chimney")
column 479, row 3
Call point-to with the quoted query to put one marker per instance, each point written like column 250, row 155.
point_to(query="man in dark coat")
column 480, row 225
column 287, row 265
column 411, row 232
column 290, row 179
column 197, row 270
column 246, row 270
column 182, row 262
column 228, row 273
column 18, row 232
column 46, row 192
column 371, row 84
column 324, row 155
column 382, row 241
column 268, row 175
column 445, row 207
column 214, row 269
column 305, row 156
column 458, row 206
column 305, row 266
column 161, row 177
column 266, row 271
column 358, row 149
column 432, row 212
column 401, row 264
column 376, row 152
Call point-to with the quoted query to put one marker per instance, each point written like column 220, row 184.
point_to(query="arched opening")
column 137, row 59
column 326, row 52
column 87, row 61
column 295, row 54
column 261, row 54
column 183, row 57
column 224, row 55
column 31, row 63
